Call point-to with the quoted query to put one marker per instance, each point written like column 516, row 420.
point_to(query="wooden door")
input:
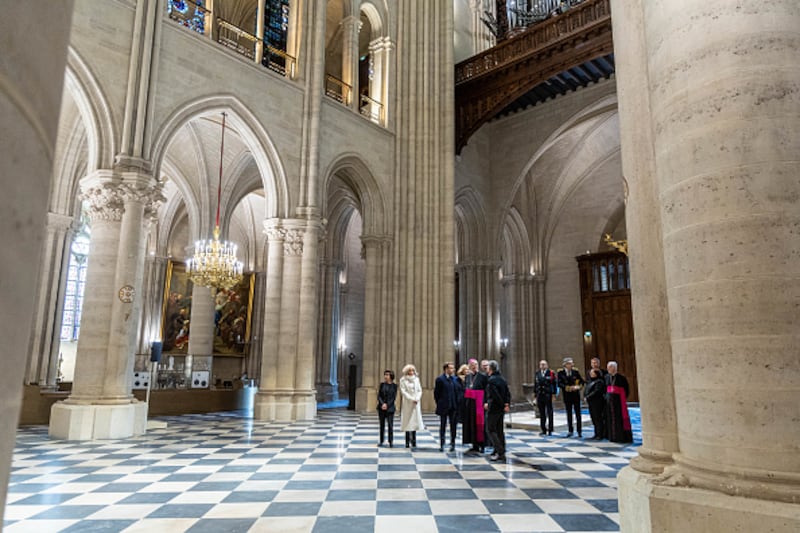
column 606, row 313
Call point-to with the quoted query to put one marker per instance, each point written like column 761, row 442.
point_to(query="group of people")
column 479, row 398
column 606, row 394
column 476, row 399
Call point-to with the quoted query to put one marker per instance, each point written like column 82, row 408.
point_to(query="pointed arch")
column 352, row 170
column 470, row 216
column 255, row 137
column 516, row 244
column 94, row 110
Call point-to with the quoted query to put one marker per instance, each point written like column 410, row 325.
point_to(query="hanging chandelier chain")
column 221, row 152
column 214, row 263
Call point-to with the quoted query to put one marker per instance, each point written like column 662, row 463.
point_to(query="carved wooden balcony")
column 488, row 82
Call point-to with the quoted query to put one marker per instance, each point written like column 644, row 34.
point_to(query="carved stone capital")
column 104, row 201
column 151, row 196
column 293, row 242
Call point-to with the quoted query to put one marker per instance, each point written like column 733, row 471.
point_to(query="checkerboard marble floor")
column 225, row 473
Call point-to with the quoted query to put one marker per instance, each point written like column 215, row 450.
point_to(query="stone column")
column 101, row 404
column 482, row 39
column 259, row 55
column 264, row 404
column 305, row 402
column 380, row 51
column 371, row 372
column 256, row 334
column 725, row 117
column 351, row 26
column 646, row 252
column 327, row 352
column 480, row 308
column 201, row 332
column 523, row 354
column 155, row 271
column 421, row 317
column 45, row 334
column 30, row 99
column 287, row 374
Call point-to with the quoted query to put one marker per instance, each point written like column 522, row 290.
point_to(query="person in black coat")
column 594, row 393
column 498, row 403
column 387, row 394
column 445, row 392
column 544, row 388
column 570, row 381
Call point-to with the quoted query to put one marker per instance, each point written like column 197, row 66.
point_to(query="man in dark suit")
column 570, row 381
column 445, row 394
column 545, row 388
column 498, row 403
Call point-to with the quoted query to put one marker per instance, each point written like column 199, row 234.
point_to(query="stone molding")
column 58, row 221
column 293, row 242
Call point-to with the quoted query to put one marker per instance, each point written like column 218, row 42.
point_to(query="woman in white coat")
column 411, row 411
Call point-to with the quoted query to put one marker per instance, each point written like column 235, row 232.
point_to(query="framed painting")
column 232, row 311
column 177, row 310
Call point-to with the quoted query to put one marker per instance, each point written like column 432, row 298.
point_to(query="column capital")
column 104, row 201
column 351, row 22
column 290, row 232
column 375, row 240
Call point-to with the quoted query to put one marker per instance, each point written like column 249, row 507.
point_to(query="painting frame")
column 176, row 309
column 233, row 318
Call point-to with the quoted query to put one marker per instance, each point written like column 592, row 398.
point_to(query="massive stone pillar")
column 287, row 374
column 421, row 307
column 101, row 404
column 724, row 111
column 30, row 100
column 646, row 252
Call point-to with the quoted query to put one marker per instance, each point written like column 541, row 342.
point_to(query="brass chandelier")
column 214, row 263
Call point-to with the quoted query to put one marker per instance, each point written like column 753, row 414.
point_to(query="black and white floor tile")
column 226, row 473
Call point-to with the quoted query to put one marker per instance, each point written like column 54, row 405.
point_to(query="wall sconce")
column 456, row 344
column 587, row 336
column 504, row 343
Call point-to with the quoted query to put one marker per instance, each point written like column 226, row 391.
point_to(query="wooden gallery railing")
column 491, row 80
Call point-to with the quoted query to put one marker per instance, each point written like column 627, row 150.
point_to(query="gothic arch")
column 94, row 110
column 352, row 170
column 516, row 244
column 254, row 136
column 604, row 105
column 471, row 237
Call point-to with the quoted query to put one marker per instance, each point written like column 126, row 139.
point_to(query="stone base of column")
column 97, row 421
column 284, row 406
column 649, row 507
column 327, row 392
column 367, row 399
column 305, row 405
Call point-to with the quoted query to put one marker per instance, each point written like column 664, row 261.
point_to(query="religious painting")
column 232, row 310
column 177, row 310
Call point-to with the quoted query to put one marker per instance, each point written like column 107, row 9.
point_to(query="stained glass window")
column 76, row 282
column 276, row 28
